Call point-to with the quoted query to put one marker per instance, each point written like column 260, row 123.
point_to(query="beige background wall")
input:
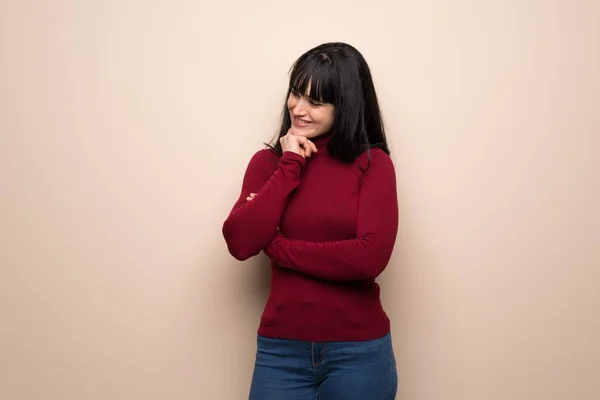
column 126, row 126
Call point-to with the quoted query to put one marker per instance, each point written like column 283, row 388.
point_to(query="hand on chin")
column 307, row 133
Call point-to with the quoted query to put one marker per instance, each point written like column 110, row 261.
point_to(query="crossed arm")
column 363, row 257
column 253, row 225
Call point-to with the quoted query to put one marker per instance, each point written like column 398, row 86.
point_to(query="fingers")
column 304, row 146
column 291, row 143
column 298, row 144
column 308, row 146
column 252, row 196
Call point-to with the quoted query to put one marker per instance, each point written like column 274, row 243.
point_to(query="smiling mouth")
column 301, row 121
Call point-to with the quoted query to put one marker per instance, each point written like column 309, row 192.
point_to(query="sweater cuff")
column 291, row 156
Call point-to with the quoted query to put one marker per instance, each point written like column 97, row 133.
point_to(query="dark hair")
column 338, row 74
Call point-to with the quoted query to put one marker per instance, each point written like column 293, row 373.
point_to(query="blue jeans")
column 297, row 370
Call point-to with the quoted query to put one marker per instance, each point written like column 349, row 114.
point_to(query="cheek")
column 291, row 102
column 327, row 117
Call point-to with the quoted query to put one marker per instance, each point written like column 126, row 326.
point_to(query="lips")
column 301, row 122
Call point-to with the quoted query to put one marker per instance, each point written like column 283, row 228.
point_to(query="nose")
column 299, row 109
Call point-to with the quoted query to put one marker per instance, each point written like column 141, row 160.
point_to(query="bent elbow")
column 237, row 246
column 372, row 271
column 374, row 256
column 239, row 254
column 235, row 250
column 378, row 262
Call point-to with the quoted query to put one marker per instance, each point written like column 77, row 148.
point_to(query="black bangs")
column 319, row 75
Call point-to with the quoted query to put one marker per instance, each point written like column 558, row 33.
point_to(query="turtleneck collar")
column 321, row 141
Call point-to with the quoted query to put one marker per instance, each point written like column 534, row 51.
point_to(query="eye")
column 315, row 103
column 295, row 93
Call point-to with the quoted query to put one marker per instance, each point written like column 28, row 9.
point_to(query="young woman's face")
column 310, row 118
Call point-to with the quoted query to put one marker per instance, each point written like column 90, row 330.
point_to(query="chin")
column 306, row 133
column 315, row 135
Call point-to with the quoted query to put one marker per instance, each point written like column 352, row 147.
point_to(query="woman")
column 321, row 203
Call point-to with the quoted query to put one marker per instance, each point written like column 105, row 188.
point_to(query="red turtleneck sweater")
column 329, row 229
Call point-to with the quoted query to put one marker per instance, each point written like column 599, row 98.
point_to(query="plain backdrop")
column 125, row 130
